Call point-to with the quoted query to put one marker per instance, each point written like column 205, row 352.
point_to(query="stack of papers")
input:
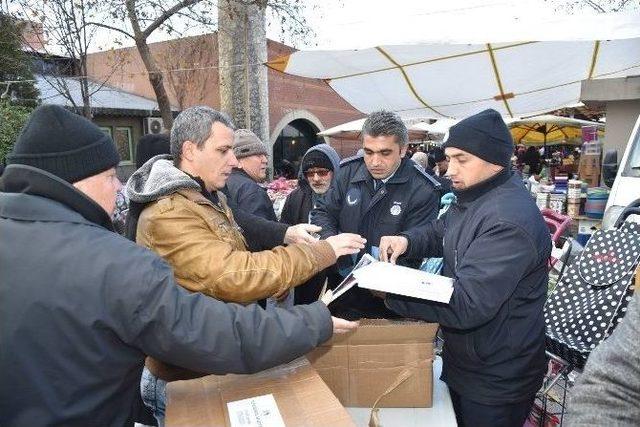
column 385, row 277
column 395, row 279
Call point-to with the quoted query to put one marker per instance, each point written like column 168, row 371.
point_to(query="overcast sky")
column 341, row 24
column 364, row 23
column 347, row 24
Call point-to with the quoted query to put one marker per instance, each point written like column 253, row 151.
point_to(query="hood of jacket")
column 330, row 152
column 158, row 178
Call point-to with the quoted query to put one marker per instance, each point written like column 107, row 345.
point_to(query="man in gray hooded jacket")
column 187, row 221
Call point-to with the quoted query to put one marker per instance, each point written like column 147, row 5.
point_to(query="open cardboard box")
column 302, row 398
column 384, row 361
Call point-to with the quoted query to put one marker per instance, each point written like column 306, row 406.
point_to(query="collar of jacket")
column 399, row 177
column 242, row 172
column 37, row 182
column 474, row 192
column 199, row 198
column 210, row 196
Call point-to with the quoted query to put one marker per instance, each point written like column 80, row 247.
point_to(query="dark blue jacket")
column 247, row 195
column 495, row 245
column 410, row 198
column 81, row 306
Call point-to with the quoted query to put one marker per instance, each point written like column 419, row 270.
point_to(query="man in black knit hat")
column 495, row 246
column 81, row 306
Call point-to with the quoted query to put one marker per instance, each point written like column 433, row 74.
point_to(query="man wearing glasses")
column 318, row 168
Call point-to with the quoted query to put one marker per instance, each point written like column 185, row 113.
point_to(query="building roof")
column 107, row 100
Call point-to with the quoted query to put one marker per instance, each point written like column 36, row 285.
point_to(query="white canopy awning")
column 524, row 70
column 418, row 131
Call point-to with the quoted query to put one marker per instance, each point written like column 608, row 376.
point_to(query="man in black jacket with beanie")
column 495, row 246
column 81, row 306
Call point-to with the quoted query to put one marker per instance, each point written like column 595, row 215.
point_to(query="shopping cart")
column 556, row 222
column 587, row 304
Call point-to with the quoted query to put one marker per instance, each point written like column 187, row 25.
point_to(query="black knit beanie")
column 64, row 144
column 151, row 145
column 438, row 154
column 316, row 159
column 484, row 135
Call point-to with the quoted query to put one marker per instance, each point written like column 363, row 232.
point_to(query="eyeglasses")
column 320, row 172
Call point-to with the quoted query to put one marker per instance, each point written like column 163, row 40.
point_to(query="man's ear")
column 188, row 151
column 403, row 150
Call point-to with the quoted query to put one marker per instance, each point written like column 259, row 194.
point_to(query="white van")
column 626, row 187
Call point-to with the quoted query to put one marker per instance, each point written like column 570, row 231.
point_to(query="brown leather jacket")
column 205, row 247
column 208, row 253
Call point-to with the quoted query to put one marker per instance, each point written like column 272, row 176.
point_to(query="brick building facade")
column 298, row 107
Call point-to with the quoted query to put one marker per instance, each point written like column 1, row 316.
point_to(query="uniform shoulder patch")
column 434, row 182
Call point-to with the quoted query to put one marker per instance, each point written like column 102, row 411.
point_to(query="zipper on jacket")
column 455, row 262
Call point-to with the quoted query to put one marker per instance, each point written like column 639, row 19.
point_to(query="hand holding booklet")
column 385, row 277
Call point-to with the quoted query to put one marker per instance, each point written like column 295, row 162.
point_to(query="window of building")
column 107, row 130
column 122, row 137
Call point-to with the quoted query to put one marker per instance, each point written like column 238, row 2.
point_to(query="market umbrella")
column 352, row 130
column 436, row 131
column 550, row 130
column 518, row 69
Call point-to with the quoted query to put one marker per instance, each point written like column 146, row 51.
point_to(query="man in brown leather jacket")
column 187, row 222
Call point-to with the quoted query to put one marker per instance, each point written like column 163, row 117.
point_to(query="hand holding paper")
column 385, row 277
column 391, row 247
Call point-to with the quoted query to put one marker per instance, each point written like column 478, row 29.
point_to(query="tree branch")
column 166, row 15
column 109, row 27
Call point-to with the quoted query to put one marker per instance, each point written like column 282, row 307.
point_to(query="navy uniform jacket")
column 410, row 198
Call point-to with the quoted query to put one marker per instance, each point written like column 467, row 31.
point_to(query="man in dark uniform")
column 379, row 193
column 495, row 246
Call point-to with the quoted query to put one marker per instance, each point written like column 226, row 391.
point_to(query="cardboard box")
column 359, row 367
column 302, row 398
column 589, row 169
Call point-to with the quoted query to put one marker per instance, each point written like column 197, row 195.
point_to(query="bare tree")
column 173, row 17
column 61, row 37
column 143, row 18
column 188, row 71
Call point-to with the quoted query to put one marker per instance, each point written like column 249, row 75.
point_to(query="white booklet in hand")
column 349, row 281
column 370, row 273
column 396, row 279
